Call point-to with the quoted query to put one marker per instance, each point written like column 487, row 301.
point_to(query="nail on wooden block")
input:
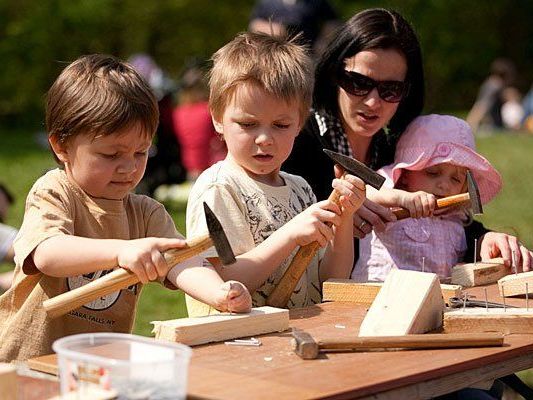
column 479, row 273
column 221, row 327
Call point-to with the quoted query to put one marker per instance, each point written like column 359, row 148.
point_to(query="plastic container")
column 134, row 367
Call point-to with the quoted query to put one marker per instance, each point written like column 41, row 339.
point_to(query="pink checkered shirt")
column 437, row 242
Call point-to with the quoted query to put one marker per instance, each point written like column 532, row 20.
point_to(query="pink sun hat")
column 435, row 139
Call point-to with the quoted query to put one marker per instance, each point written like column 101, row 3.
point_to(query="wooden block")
column 219, row 327
column 480, row 273
column 515, row 284
column 512, row 320
column 364, row 293
column 46, row 364
column 8, row 381
column 408, row 302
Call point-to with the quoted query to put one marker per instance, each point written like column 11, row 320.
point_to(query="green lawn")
column 22, row 161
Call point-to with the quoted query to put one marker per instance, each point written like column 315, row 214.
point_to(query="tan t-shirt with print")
column 250, row 212
column 55, row 206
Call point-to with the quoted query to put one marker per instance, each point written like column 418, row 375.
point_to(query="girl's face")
column 442, row 180
column 365, row 115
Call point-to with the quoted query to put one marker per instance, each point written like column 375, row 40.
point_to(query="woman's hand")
column 496, row 244
column 371, row 216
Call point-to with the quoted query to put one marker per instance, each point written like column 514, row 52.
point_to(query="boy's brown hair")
column 280, row 66
column 99, row 94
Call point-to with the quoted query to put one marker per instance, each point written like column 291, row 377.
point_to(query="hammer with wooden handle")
column 307, row 348
column 472, row 196
column 281, row 294
column 122, row 278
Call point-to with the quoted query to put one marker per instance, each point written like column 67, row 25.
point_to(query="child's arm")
column 420, row 204
column 255, row 266
column 68, row 255
column 339, row 256
column 204, row 284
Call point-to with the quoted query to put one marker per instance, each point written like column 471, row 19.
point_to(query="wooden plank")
column 512, row 320
column 479, row 273
column 364, row 293
column 220, row 327
column 515, row 284
column 408, row 302
column 8, row 381
column 46, row 364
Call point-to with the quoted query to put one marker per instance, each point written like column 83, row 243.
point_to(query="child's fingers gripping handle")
column 68, row 301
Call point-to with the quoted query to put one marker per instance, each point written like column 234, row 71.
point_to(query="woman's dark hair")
column 375, row 28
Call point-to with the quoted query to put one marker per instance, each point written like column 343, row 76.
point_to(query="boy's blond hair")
column 280, row 66
column 100, row 95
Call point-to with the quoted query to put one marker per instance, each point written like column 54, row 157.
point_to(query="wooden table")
column 272, row 370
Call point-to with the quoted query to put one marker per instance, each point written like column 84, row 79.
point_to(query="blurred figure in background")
column 527, row 105
column 164, row 161
column 315, row 19
column 200, row 145
column 7, row 236
column 512, row 110
column 487, row 108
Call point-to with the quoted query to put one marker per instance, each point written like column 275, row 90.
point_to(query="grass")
column 22, row 161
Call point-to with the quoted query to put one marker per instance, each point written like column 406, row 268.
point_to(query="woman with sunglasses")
column 369, row 87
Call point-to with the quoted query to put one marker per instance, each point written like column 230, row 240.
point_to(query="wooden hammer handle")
column 402, row 213
column 117, row 280
column 424, row 341
column 281, row 294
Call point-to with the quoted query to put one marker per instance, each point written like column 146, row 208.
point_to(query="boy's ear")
column 218, row 126
column 58, row 148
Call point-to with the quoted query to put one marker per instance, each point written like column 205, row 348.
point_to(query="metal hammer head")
column 473, row 192
column 357, row 168
column 218, row 236
column 304, row 344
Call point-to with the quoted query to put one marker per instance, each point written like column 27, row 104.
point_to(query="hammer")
column 122, row 278
column 282, row 292
column 307, row 348
column 471, row 195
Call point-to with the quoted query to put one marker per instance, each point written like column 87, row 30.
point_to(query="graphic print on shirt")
column 102, row 303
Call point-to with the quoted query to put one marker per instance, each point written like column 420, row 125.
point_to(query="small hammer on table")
column 307, row 348
column 472, row 196
column 122, row 278
column 281, row 294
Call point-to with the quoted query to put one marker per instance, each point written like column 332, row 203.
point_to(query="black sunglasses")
column 360, row 85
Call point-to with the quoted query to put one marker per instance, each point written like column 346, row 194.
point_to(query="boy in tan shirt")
column 260, row 96
column 81, row 221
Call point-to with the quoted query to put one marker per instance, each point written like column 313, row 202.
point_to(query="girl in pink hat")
column 431, row 160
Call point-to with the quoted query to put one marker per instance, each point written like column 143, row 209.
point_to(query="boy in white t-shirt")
column 260, row 94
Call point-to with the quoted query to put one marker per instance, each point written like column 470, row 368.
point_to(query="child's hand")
column 233, row 297
column 311, row 224
column 420, row 204
column 144, row 257
column 351, row 190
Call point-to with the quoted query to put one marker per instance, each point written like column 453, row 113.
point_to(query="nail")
column 423, row 263
column 486, row 301
column 503, row 296
column 464, row 302
column 527, row 298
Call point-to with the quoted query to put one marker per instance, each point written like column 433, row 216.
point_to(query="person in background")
column 487, row 109
column 164, row 162
column 512, row 109
column 314, row 20
column 7, row 236
column 200, row 144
